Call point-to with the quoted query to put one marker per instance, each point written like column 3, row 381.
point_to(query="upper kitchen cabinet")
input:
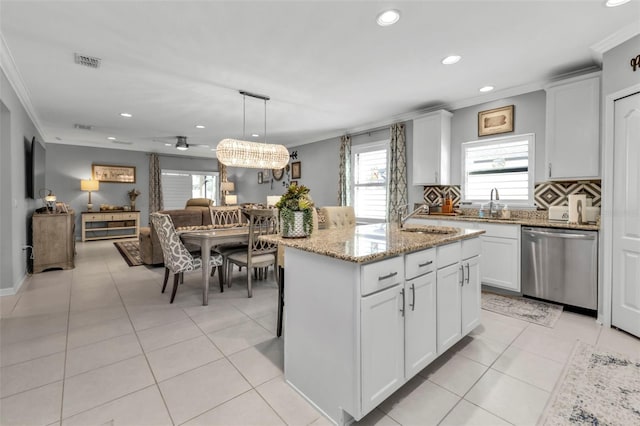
column 573, row 128
column 431, row 153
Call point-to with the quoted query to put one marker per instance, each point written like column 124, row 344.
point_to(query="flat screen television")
column 35, row 168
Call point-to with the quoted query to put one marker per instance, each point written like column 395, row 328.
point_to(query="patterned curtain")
column 397, row 190
column 155, row 184
column 344, row 179
column 222, row 172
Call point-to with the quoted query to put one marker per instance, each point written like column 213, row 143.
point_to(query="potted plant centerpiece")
column 296, row 212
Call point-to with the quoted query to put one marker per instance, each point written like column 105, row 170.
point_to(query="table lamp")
column 89, row 185
column 230, row 199
column 225, row 188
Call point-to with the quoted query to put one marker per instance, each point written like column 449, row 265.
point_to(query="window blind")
column 370, row 182
column 178, row 186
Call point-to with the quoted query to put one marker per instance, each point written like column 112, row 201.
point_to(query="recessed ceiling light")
column 125, row 115
column 388, row 17
column 168, row 144
column 451, row 59
column 486, row 88
column 614, row 3
column 255, row 135
column 199, row 126
column 112, row 138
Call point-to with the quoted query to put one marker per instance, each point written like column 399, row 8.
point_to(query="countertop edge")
column 545, row 223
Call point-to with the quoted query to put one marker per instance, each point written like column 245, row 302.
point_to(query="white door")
column 471, row 295
column 420, row 323
column 382, row 336
column 626, row 215
column 448, row 306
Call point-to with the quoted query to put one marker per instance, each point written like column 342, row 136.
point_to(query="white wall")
column 617, row 73
column 15, row 208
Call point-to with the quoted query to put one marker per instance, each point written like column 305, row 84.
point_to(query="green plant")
column 296, row 199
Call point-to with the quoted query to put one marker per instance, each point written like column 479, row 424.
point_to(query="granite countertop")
column 369, row 243
column 526, row 221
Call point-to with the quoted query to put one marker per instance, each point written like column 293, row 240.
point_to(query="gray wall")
column 529, row 117
column 67, row 165
column 15, row 208
column 617, row 74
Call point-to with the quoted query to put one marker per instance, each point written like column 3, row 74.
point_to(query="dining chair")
column 338, row 216
column 259, row 254
column 177, row 258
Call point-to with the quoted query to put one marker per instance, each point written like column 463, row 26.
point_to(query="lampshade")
column 227, row 186
column 50, row 198
column 89, row 185
column 239, row 153
column 231, row 199
column 272, row 200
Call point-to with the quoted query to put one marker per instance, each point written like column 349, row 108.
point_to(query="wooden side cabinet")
column 109, row 225
column 53, row 241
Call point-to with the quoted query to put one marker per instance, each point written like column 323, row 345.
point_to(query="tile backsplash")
column 546, row 194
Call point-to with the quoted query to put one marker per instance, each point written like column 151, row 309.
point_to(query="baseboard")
column 15, row 289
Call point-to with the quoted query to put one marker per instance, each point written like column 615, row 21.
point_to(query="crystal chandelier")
column 241, row 153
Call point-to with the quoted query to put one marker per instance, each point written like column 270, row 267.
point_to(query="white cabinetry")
column 470, row 292
column 431, row 148
column 573, row 128
column 448, row 306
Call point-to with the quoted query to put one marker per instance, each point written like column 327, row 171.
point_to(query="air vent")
column 87, row 61
column 123, row 142
column 83, row 127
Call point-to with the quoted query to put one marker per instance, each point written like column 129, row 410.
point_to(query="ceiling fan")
column 181, row 143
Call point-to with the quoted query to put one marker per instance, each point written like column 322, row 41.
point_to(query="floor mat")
column 130, row 251
column 540, row 313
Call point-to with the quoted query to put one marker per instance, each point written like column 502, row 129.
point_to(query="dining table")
column 208, row 239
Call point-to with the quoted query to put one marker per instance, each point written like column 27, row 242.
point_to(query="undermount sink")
column 441, row 230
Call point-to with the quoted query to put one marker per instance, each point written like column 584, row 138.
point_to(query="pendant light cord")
column 265, row 121
column 244, row 114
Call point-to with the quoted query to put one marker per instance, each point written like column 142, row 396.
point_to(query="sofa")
column 195, row 213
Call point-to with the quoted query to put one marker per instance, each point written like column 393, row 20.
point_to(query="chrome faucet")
column 493, row 207
column 404, row 219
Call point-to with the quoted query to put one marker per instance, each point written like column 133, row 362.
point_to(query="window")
column 370, row 163
column 178, row 186
column 503, row 163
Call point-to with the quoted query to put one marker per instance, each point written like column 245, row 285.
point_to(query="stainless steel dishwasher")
column 561, row 265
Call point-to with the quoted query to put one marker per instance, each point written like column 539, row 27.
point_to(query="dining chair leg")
column 221, row 278
column 280, row 300
column 166, row 278
column 181, row 277
column 249, row 288
column 229, row 274
column 176, row 279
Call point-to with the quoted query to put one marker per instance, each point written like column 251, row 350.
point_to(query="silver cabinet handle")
column 467, row 279
column 561, row 235
column 422, row 265
column 413, row 297
column 462, row 279
column 549, row 169
column 402, row 294
column 384, row 277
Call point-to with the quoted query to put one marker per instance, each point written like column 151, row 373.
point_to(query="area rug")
column 540, row 313
column 130, row 251
column 597, row 388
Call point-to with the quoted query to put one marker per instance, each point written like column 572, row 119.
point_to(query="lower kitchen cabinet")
column 470, row 294
column 449, row 306
column 420, row 344
column 501, row 262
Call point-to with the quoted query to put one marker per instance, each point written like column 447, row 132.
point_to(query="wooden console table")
column 109, row 225
column 53, row 241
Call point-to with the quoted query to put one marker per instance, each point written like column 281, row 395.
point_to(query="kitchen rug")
column 540, row 313
column 598, row 387
column 130, row 251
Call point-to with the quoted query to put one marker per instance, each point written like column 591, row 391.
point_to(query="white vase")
column 296, row 229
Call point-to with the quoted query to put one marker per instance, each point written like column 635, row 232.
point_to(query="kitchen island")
column 369, row 307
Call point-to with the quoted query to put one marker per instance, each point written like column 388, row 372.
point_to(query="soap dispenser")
column 506, row 213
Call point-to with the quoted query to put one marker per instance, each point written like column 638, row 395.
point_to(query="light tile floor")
column 100, row 344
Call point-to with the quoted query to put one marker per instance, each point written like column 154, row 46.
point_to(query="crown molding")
column 623, row 34
column 8, row 66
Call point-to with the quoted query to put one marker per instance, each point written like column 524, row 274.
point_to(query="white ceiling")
column 327, row 66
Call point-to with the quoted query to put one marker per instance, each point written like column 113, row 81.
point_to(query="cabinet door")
column 573, row 129
column 420, row 346
column 471, row 295
column 431, row 141
column 448, row 306
column 501, row 262
column 382, row 337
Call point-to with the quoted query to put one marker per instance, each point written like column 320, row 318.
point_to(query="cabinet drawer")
column 93, row 217
column 380, row 275
column 419, row 263
column 502, row 231
column 448, row 254
column 129, row 216
column 471, row 247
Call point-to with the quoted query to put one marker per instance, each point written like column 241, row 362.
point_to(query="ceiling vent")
column 83, row 127
column 87, row 61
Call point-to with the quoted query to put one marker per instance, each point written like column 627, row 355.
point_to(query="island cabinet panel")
column 470, row 294
column 382, row 335
column 449, row 306
column 420, row 346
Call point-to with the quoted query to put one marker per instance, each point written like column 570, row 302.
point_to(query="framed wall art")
column 495, row 121
column 260, row 177
column 296, row 170
column 118, row 174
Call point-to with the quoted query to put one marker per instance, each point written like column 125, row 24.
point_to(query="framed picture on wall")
column 117, row 174
column 296, row 170
column 260, row 177
column 494, row 121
